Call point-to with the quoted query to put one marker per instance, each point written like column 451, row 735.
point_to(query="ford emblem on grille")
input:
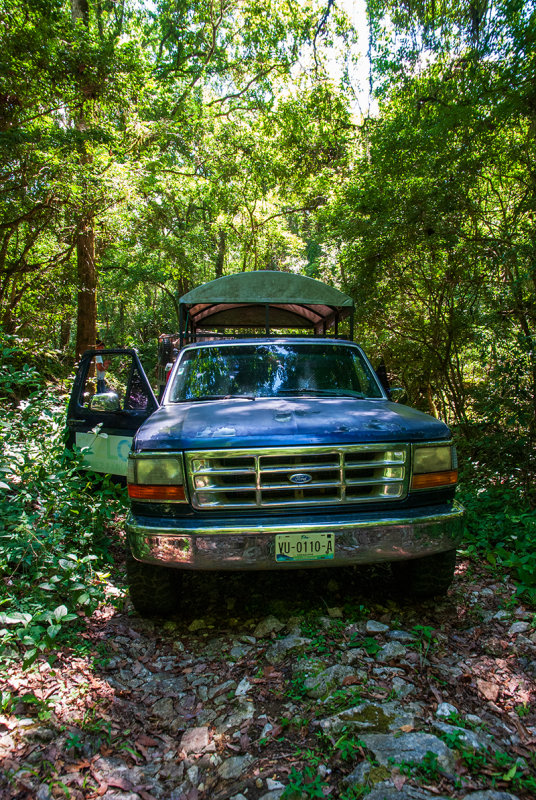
column 300, row 477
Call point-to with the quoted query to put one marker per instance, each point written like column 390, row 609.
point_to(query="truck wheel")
column 154, row 590
column 426, row 576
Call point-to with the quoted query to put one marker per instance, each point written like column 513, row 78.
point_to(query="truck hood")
column 267, row 422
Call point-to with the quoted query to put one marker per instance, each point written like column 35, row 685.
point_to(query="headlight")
column 156, row 477
column 432, row 459
column 434, row 467
column 159, row 470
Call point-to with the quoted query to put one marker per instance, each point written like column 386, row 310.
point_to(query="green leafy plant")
column 427, row 768
column 41, row 708
column 319, row 640
column 354, row 793
column 501, row 527
column 18, row 376
column 456, row 719
column 305, row 783
column 6, row 701
column 452, row 739
column 340, row 699
column 311, row 756
column 297, row 691
column 492, row 766
column 522, row 710
column 348, row 746
column 74, row 742
column 354, row 612
column 54, row 557
column 370, row 645
column 425, row 641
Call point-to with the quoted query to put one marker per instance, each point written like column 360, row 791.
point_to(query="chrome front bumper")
column 366, row 538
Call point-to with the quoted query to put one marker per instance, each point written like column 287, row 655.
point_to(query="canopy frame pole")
column 181, row 323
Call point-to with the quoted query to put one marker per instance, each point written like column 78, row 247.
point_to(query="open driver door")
column 103, row 424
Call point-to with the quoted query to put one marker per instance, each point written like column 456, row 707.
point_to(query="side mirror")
column 396, row 393
column 106, row 401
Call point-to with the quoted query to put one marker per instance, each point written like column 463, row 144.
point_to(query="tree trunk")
column 65, row 334
column 9, row 322
column 183, row 286
column 86, row 321
column 220, row 255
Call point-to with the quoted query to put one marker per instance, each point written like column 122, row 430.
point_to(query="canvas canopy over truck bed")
column 253, row 300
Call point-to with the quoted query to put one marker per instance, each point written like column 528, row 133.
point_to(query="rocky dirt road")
column 296, row 685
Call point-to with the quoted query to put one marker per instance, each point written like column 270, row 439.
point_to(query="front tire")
column 154, row 590
column 426, row 576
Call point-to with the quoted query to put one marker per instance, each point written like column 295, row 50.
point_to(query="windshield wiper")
column 203, row 397
column 323, row 392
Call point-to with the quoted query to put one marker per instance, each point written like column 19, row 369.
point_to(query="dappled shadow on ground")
column 113, row 714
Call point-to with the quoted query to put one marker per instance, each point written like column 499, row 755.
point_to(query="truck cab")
column 270, row 451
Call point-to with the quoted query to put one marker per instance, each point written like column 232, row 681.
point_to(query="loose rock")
column 373, row 626
column 282, row 647
column 267, row 626
column 392, row 651
column 446, row 710
column 386, row 791
column 195, row 740
column 234, row 767
column 372, row 717
column 390, row 749
column 321, row 685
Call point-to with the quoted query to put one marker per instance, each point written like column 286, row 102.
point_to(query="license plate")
column 304, row 546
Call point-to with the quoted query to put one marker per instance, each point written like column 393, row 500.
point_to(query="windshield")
column 272, row 370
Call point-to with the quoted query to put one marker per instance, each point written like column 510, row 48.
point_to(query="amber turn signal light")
column 162, row 493
column 433, row 480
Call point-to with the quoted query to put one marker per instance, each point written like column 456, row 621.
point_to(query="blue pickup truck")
column 268, row 451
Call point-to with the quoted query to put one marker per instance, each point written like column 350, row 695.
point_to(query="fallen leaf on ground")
column 398, row 780
column 147, row 741
column 487, row 689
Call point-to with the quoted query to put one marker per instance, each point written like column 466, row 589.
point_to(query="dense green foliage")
column 436, row 221
column 54, row 527
column 500, row 527
column 181, row 136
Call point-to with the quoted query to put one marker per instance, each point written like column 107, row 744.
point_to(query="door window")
column 119, row 375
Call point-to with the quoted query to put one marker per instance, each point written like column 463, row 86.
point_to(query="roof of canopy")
column 241, row 301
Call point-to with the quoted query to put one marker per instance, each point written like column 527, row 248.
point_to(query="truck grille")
column 306, row 476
